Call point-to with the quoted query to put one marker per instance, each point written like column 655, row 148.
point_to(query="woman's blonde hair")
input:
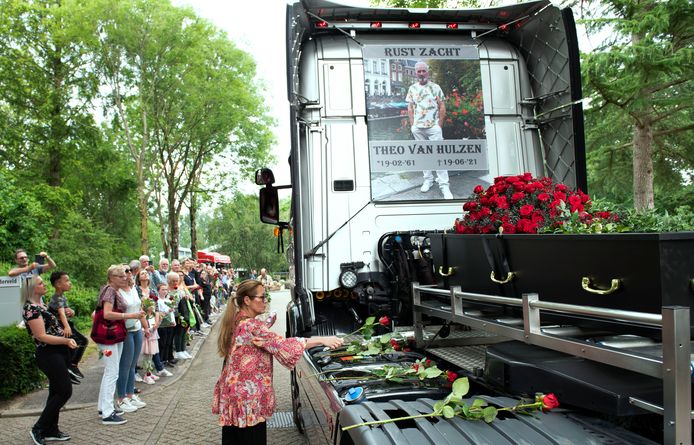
column 28, row 285
column 115, row 269
column 228, row 324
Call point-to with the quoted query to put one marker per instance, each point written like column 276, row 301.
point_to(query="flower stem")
column 381, row 422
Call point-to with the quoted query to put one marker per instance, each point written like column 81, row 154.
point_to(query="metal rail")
column 674, row 369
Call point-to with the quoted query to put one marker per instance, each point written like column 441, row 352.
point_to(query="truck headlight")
column 348, row 279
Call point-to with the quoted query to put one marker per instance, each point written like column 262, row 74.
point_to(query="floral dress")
column 243, row 394
column 32, row 311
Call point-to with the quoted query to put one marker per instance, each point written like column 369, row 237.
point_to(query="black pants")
column 166, row 336
column 53, row 360
column 206, row 307
column 252, row 435
column 82, row 342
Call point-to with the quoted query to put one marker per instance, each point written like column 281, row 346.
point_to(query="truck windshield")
column 426, row 121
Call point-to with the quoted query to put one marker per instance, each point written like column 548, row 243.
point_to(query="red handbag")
column 107, row 332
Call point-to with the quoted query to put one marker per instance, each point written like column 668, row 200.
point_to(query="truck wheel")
column 296, row 404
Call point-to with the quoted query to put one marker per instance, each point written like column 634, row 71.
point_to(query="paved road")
column 178, row 408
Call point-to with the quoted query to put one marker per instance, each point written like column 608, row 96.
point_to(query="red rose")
column 406, row 350
column 478, row 189
column 527, row 210
column 508, row 228
column 427, row 363
column 574, row 200
column 544, row 197
column 512, row 179
column 470, row 205
column 415, row 367
column 527, row 177
column 108, row 352
column 560, row 196
column 561, row 188
column 517, row 196
column 384, row 321
column 549, row 402
column 396, row 347
column 452, row 376
column 502, row 203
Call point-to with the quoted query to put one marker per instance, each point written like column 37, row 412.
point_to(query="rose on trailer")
column 474, row 409
column 367, row 329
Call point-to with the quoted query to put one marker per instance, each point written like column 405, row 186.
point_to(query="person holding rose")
column 52, row 358
column 114, row 307
column 243, row 395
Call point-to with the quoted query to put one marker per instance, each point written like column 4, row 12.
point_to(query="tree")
column 236, row 230
column 182, row 94
column 640, row 85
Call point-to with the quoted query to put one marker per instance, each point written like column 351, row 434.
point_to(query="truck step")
column 469, row 358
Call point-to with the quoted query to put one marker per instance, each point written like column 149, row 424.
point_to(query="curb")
column 160, row 386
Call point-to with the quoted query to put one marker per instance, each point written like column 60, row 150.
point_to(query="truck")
column 396, row 115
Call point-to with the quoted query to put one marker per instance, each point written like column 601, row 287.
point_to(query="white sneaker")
column 178, row 356
column 446, row 192
column 187, row 355
column 426, row 186
column 205, row 325
column 164, row 373
column 135, row 401
column 126, row 406
column 137, row 377
column 149, row 380
column 154, row 376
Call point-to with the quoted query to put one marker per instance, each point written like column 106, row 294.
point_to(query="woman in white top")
column 138, row 327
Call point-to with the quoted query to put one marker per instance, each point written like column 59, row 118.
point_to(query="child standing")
column 59, row 307
column 150, row 346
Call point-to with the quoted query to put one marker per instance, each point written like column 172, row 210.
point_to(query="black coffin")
column 652, row 269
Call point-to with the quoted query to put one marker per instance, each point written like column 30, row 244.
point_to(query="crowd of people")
column 143, row 322
column 159, row 311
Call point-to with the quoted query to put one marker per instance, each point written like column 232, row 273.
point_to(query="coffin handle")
column 451, row 271
column 509, row 276
column 585, row 284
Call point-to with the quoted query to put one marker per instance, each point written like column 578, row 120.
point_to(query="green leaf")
column 448, row 412
column 433, row 372
column 461, row 387
column 438, row 407
column 489, row 414
column 369, row 321
column 386, row 338
column 477, row 403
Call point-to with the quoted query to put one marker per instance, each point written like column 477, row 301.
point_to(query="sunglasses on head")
column 128, row 271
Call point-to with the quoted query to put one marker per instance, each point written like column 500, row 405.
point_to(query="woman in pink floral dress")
column 243, row 396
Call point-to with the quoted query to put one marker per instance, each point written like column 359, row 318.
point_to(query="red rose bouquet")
column 523, row 204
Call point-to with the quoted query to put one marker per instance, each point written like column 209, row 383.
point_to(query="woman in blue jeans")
column 128, row 401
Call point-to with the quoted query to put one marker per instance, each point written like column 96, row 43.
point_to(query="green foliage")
column 20, row 374
column 236, row 229
column 85, row 251
column 23, row 219
column 640, row 116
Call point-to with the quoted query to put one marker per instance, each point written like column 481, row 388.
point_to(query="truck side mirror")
column 269, row 205
column 264, row 176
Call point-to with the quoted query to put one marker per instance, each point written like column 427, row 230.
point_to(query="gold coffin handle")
column 614, row 285
column 451, row 271
column 509, row 276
